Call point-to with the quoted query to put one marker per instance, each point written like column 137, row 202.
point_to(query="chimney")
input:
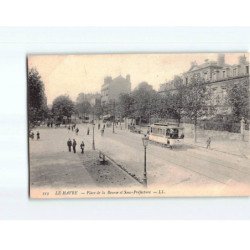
column 221, row 60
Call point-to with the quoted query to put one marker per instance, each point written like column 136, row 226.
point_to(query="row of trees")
column 145, row 103
column 62, row 105
column 192, row 102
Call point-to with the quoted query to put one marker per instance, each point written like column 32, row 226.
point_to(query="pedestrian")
column 37, row 135
column 209, row 143
column 77, row 130
column 68, row 128
column 99, row 125
column 82, row 147
column 72, row 127
column 32, row 135
column 74, row 145
column 69, row 144
column 88, row 131
column 102, row 131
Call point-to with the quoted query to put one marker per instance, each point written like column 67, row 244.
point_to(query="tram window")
column 167, row 131
column 154, row 130
column 174, row 133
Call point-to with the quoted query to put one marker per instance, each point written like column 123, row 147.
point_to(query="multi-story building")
column 218, row 77
column 113, row 88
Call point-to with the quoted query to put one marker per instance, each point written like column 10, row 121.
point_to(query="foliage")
column 144, row 101
column 171, row 103
column 83, row 108
column 36, row 97
column 238, row 99
column 195, row 100
column 63, row 106
column 98, row 109
column 125, row 105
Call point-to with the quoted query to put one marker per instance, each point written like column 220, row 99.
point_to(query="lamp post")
column 145, row 144
column 93, row 134
column 114, row 117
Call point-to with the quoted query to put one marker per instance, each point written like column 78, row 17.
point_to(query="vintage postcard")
column 138, row 125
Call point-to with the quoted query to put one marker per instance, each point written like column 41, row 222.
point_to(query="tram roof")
column 165, row 125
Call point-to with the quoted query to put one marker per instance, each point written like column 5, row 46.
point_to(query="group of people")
column 32, row 135
column 73, row 127
column 73, row 145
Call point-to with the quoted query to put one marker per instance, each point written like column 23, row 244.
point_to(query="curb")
column 225, row 152
column 133, row 176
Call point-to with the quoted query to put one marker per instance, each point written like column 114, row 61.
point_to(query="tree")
column 195, row 99
column 98, row 109
column 144, row 101
column 37, row 100
column 125, row 105
column 171, row 102
column 238, row 99
column 83, row 108
column 62, row 106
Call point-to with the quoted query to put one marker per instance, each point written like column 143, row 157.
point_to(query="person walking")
column 69, row 144
column 32, row 135
column 74, row 145
column 37, row 135
column 82, row 147
column 68, row 128
column 99, row 125
column 102, row 131
column 209, row 143
column 88, row 131
column 77, row 130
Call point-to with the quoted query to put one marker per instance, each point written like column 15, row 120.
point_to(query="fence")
column 220, row 126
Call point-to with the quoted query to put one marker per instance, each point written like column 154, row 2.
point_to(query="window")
column 247, row 69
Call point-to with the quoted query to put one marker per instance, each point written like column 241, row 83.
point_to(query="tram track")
column 173, row 160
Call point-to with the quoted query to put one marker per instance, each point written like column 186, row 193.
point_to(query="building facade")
column 112, row 88
column 218, row 77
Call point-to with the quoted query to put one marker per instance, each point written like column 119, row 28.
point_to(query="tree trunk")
column 195, row 132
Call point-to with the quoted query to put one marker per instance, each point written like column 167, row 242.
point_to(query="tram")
column 166, row 134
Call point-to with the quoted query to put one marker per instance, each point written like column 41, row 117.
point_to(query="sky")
column 74, row 74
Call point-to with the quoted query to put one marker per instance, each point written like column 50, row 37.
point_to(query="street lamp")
column 114, row 117
column 93, row 124
column 145, row 144
column 93, row 141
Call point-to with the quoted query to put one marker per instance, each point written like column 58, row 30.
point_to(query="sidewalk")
column 233, row 147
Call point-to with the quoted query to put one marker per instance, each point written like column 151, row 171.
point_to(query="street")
column 185, row 167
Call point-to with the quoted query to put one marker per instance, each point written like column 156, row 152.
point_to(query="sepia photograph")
column 138, row 125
